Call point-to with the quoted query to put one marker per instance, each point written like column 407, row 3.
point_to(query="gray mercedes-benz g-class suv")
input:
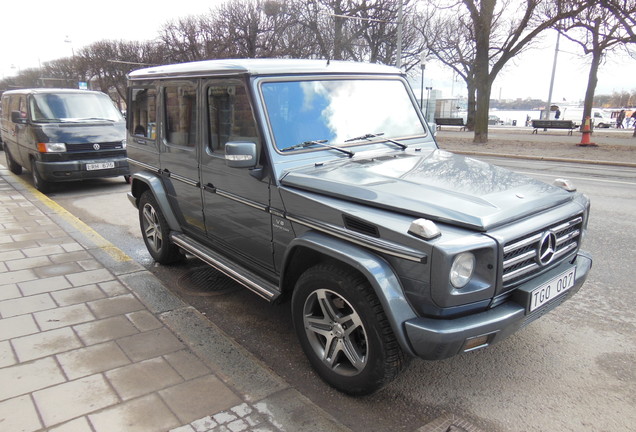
column 320, row 182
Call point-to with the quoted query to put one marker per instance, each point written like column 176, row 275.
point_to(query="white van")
column 600, row 117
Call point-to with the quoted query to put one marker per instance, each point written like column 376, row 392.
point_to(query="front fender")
column 374, row 268
column 142, row 181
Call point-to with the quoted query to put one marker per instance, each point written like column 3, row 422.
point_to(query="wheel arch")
column 141, row 182
column 312, row 247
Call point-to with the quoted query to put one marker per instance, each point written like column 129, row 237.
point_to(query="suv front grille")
column 520, row 255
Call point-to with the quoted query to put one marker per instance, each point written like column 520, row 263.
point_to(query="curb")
column 544, row 158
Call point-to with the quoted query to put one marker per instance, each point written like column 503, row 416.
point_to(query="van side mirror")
column 16, row 117
column 240, row 154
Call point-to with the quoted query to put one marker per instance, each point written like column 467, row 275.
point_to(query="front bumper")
column 76, row 169
column 434, row 339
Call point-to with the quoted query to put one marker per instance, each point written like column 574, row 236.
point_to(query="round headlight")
column 462, row 269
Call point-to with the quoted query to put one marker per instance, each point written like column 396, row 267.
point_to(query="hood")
column 82, row 132
column 434, row 184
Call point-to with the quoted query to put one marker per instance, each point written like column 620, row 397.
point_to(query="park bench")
column 553, row 124
column 450, row 121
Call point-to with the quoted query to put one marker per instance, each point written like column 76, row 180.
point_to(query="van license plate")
column 553, row 289
column 100, row 166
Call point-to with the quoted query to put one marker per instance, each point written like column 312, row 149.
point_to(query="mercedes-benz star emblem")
column 547, row 248
column 96, row 146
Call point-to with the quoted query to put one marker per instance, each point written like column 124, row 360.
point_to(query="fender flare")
column 156, row 186
column 374, row 268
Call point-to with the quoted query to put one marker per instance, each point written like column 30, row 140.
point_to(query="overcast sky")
column 38, row 31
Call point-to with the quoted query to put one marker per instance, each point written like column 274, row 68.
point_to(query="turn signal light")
column 476, row 343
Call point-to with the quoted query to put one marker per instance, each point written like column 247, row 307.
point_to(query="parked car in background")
column 320, row 183
column 494, row 120
column 63, row 135
column 599, row 117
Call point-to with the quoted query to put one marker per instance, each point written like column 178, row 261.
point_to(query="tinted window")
column 180, row 123
column 142, row 112
column 230, row 115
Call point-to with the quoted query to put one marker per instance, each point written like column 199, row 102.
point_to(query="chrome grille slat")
column 520, row 255
column 520, row 272
column 519, row 259
column 522, row 243
column 568, row 237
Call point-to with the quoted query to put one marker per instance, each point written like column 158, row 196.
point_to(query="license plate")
column 99, row 166
column 551, row 290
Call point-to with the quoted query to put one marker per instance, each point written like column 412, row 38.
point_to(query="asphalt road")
column 573, row 370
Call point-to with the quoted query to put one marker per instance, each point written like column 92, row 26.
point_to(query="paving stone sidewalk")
column 91, row 341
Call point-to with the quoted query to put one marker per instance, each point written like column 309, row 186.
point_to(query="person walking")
column 620, row 119
column 633, row 117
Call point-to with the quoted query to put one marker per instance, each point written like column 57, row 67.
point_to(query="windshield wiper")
column 375, row 135
column 318, row 143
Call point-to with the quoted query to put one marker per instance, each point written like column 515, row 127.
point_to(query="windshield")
column 339, row 110
column 73, row 107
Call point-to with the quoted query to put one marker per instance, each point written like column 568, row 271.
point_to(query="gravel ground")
column 610, row 145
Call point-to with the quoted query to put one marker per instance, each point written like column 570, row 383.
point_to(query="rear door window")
column 142, row 112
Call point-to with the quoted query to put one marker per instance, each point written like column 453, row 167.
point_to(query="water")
column 516, row 117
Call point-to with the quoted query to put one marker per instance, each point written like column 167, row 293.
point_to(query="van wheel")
column 39, row 183
column 155, row 231
column 344, row 331
column 13, row 166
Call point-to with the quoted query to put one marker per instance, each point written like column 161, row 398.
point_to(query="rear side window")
column 142, row 112
column 180, row 115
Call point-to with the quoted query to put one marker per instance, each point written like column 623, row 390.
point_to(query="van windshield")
column 340, row 112
column 54, row 107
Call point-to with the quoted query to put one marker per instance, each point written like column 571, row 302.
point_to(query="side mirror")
column 16, row 117
column 240, row 154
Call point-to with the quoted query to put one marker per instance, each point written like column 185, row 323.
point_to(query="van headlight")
column 51, row 147
column 462, row 269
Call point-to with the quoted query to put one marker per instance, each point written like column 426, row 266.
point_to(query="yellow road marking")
column 112, row 250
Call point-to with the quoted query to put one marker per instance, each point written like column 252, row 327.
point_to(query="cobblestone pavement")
column 91, row 341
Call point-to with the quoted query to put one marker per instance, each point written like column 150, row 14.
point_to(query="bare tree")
column 61, row 72
column 107, row 63
column 494, row 32
column 625, row 13
column 598, row 30
column 450, row 39
column 185, row 39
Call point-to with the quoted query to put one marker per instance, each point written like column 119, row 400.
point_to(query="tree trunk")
column 481, row 116
column 482, row 20
column 597, row 55
column 338, row 23
column 472, row 106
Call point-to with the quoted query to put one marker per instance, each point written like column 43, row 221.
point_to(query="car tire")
column 155, row 231
column 39, row 183
column 344, row 331
column 127, row 179
column 13, row 166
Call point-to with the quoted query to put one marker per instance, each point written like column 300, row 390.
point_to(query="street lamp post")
column 423, row 66
column 69, row 41
column 428, row 96
column 554, row 65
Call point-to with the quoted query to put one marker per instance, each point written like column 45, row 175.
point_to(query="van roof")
column 261, row 67
column 47, row 91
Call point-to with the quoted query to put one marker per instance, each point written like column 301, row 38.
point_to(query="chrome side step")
column 251, row 281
